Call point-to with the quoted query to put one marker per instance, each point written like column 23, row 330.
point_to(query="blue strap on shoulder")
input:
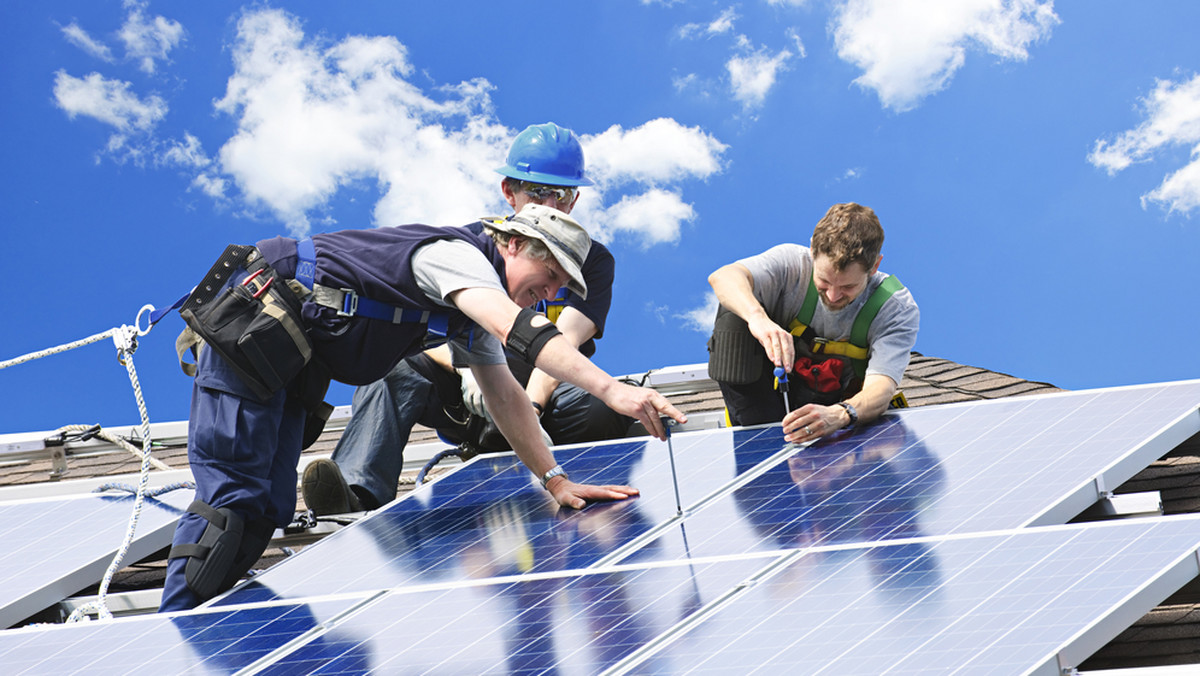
column 437, row 323
column 306, row 265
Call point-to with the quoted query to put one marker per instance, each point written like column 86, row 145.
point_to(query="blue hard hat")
column 546, row 153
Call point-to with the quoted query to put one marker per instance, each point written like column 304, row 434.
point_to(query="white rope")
column 125, row 339
column 55, row 350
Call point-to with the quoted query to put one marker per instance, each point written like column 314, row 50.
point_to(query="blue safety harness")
column 437, row 324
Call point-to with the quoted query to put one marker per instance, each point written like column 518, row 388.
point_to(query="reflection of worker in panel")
column 817, row 337
column 544, row 166
column 611, row 622
column 447, row 529
column 862, row 488
column 466, row 533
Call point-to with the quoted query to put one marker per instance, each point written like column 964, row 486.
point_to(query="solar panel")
column 944, row 470
column 558, row 623
column 55, row 547
column 914, row 545
column 199, row 642
column 936, row 470
column 1021, row 602
column 488, row 511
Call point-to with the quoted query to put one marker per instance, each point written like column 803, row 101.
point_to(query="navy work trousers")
column 243, row 454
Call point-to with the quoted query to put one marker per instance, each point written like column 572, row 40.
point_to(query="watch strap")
column 557, row 470
column 850, row 411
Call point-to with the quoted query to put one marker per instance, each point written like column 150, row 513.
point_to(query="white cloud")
column 148, row 40
column 109, row 101
column 851, row 174
column 658, row 152
column 210, row 184
column 653, row 217
column 718, row 26
column 795, row 38
column 910, row 49
column 752, row 71
column 313, row 119
column 1181, row 190
column 80, row 38
column 753, row 75
column 685, row 82
column 700, row 319
column 1172, row 118
column 724, row 22
column 187, row 153
column 646, row 164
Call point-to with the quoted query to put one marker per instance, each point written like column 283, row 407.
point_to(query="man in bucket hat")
column 545, row 166
column 371, row 298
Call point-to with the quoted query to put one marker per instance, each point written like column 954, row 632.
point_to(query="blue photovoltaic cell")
column 489, row 514
column 912, row 539
column 576, row 624
column 46, row 541
column 198, row 643
column 998, row 604
column 936, row 471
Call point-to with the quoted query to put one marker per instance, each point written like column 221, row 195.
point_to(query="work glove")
column 472, row 395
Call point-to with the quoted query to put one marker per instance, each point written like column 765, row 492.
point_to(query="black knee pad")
column 210, row 560
column 256, row 536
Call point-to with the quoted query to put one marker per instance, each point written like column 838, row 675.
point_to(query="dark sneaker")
column 325, row 490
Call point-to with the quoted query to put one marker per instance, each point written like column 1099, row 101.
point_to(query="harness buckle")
column 818, row 345
column 349, row 303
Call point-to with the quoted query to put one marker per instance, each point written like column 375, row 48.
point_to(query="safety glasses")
column 563, row 195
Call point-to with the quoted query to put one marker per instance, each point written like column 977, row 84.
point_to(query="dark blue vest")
column 375, row 264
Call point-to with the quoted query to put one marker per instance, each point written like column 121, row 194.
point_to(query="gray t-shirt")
column 781, row 276
column 448, row 265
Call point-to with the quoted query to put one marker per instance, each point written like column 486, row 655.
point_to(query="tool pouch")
column 254, row 325
column 820, row 378
column 734, row 354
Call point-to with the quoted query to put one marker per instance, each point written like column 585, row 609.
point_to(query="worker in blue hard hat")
column 545, row 166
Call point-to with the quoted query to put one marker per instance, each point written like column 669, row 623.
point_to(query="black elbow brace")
column 527, row 340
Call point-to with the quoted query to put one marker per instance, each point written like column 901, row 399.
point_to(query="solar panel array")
column 55, row 547
column 919, row 544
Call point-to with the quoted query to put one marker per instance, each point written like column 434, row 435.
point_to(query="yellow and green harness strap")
column 855, row 349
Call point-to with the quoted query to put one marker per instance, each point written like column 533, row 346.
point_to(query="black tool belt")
column 254, row 325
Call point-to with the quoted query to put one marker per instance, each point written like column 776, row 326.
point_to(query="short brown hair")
column 849, row 233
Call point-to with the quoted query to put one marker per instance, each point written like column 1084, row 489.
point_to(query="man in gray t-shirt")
column 768, row 293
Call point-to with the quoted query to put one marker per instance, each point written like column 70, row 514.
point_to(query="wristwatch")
column 557, row 470
column 850, row 412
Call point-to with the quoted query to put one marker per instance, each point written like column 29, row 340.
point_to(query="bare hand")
column 813, row 421
column 775, row 340
column 573, row 495
column 644, row 404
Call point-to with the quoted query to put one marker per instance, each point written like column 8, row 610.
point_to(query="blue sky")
column 1036, row 165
